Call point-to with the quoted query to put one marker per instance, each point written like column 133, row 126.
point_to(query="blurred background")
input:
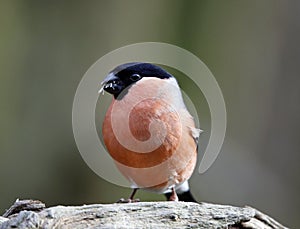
column 251, row 47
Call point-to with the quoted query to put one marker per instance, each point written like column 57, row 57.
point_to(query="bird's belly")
column 152, row 145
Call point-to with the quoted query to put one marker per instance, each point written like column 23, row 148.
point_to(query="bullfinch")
column 148, row 130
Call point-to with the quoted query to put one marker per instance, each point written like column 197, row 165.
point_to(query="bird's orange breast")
column 140, row 118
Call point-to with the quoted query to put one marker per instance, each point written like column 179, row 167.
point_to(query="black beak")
column 112, row 84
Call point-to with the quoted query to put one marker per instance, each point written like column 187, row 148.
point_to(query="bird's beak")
column 112, row 84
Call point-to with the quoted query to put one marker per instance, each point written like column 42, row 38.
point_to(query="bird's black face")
column 125, row 75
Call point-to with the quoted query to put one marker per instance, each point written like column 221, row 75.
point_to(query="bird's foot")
column 125, row 201
column 130, row 199
column 173, row 196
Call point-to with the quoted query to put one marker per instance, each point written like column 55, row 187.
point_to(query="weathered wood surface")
column 33, row 214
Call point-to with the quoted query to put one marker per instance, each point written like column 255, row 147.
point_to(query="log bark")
column 34, row 214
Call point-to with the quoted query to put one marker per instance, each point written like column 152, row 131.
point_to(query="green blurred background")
column 251, row 47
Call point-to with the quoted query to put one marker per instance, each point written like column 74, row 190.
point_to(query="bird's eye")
column 135, row 77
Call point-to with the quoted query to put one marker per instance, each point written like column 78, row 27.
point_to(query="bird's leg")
column 173, row 196
column 130, row 199
column 133, row 193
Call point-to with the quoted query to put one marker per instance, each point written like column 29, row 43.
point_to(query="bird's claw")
column 125, row 201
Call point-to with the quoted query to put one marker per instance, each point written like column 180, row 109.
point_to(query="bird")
column 148, row 131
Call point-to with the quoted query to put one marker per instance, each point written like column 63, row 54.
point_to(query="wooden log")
column 34, row 214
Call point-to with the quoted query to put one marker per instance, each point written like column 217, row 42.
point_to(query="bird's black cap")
column 127, row 74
